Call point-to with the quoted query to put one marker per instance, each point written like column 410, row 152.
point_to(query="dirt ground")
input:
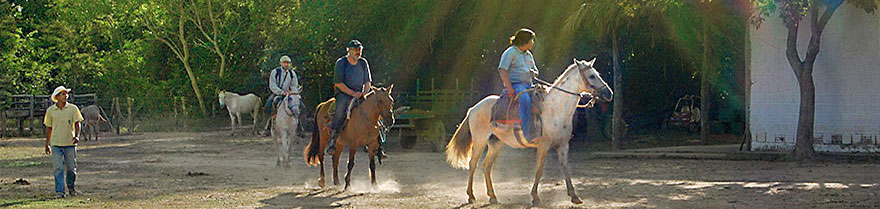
column 215, row 170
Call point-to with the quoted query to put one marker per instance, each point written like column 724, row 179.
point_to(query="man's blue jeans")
column 525, row 106
column 66, row 157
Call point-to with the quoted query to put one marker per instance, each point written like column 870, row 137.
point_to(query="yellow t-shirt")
column 62, row 121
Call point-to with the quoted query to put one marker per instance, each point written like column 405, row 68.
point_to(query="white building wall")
column 847, row 78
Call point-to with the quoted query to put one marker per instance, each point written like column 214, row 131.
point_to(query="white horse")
column 237, row 104
column 561, row 100
column 284, row 129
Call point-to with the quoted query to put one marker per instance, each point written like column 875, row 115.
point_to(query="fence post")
column 30, row 119
column 176, row 120
column 130, row 116
column 2, row 123
column 117, row 115
column 183, row 110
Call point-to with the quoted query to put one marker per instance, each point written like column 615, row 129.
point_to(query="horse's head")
column 593, row 82
column 291, row 104
column 385, row 103
column 221, row 95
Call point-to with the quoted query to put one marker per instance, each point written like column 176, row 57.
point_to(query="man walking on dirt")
column 351, row 79
column 62, row 122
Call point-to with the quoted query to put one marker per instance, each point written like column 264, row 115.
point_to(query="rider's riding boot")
column 331, row 149
column 268, row 129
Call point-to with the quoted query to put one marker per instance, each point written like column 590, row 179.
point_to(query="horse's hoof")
column 493, row 200
column 536, row 202
column 472, row 200
column 576, row 200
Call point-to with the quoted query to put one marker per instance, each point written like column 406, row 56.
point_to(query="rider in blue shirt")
column 516, row 68
column 351, row 79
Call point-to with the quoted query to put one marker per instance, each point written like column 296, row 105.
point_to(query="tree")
column 158, row 20
column 208, row 18
column 609, row 19
column 792, row 13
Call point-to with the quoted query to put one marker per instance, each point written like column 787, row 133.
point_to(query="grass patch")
column 42, row 202
column 17, row 164
column 17, row 152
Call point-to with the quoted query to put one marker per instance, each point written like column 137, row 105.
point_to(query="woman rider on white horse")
column 516, row 67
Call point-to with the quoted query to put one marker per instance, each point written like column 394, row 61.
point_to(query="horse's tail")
column 312, row 151
column 458, row 151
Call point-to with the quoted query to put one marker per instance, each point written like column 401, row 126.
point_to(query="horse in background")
column 92, row 116
column 237, row 104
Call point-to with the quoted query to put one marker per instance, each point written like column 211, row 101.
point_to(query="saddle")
column 332, row 111
column 505, row 112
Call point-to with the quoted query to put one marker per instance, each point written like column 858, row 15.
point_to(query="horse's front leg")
column 231, row 122
column 277, row 146
column 336, row 164
column 285, row 149
column 238, row 117
column 562, row 152
column 372, row 165
column 351, row 152
column 539, row 170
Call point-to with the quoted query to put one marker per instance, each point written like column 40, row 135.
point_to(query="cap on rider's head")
column 355, row 44
column 285, row 58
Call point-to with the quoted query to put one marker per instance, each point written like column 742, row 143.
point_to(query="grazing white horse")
column 561, row 100
column 237, row 104
column 284, row 129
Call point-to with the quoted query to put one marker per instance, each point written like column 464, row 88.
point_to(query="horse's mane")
column 564, row 74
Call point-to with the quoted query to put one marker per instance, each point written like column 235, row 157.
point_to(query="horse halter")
column 390, row 112
column 287, row 109
column 573, row 93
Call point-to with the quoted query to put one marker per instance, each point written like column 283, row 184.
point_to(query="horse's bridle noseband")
column 573, row 93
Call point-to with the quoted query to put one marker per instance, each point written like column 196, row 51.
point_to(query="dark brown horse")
column 360, row 130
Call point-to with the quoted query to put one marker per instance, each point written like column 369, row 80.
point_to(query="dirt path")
column 214, row 170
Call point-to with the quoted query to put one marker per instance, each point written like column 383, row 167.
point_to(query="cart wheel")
column 435, row 135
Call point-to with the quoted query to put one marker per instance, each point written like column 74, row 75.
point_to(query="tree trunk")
column 803, row 70
column 704, row 86
column 747, row 88
column 618, row 126
column 804, row 145
column 185, row 59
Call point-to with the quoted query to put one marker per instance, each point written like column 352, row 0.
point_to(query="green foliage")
column 793, row 11
column 109, row 47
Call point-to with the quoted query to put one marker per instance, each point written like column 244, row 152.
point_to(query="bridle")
column 573, row 93
column 287, row 109
column 388, row 112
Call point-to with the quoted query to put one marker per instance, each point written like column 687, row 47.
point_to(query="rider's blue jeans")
column 525, row 106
